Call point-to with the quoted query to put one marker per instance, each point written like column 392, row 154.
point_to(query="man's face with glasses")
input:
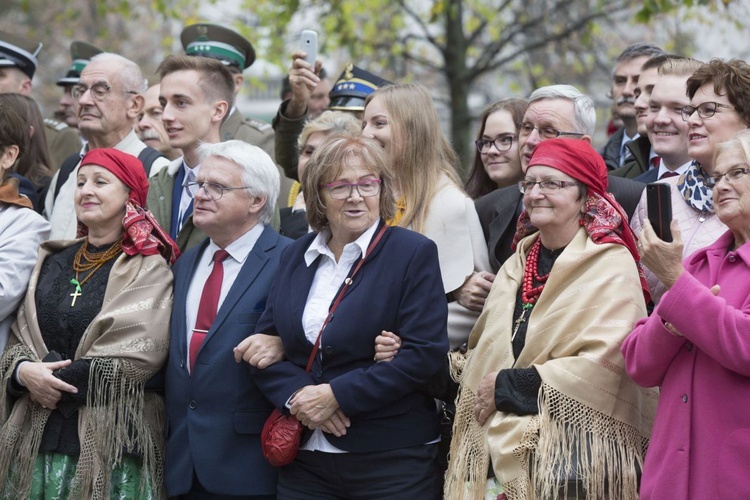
column 545, row 119
column 106, row 110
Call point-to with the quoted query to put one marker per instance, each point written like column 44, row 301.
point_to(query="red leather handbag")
column 280, row 438
column 282, row 433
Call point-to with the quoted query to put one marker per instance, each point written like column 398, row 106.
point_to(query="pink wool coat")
column 700, row 445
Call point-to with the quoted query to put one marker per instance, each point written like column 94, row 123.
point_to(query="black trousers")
column 407, row 473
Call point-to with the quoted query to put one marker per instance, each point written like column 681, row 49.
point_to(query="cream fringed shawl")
column 593, row 422
column 128, row 342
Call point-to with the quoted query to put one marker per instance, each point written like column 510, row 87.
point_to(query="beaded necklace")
column 93, row 261
column 530, row 293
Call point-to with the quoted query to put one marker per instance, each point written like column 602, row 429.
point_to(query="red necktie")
column 668, row 174
column 208, row 305
column 656, row 161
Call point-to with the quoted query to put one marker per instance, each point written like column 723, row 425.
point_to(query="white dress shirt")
column 238, row 250
column 328, row 279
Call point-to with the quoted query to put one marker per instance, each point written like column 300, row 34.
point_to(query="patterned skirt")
column 54, row 472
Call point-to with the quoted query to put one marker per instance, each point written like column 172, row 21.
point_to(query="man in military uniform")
column 348, row 94
column 237, row 53
column 18, row 62
column 81, row 53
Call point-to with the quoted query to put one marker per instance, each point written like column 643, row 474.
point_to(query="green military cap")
column 18, row 52
column 352, row 88
column 81, row 52
column 218, row 42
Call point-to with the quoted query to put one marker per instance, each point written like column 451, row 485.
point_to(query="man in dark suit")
column 215, row 410
column 554, row 111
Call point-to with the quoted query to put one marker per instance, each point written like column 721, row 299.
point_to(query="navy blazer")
column 649, row 176
column 215, row 416
column 399, row 289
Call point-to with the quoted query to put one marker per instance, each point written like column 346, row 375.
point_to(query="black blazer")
column 399, row 289
column 499, row 210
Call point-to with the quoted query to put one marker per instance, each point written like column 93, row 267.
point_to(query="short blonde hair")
column 327, row 162
column 329, row 122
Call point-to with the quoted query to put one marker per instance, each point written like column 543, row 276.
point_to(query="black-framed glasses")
column 731, row 176
column 705, row 110
column 502, row 143
column 213, row 191
column 99, row 91
column 343, row 190
column 545, row 186
column 526, row 128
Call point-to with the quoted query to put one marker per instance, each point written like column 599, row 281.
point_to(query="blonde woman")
column 403, row 120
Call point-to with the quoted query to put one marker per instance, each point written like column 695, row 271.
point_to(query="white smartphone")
column 308, row 43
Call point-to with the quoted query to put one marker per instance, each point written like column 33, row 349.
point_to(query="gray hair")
column 129, row 76
column 639, row 50
column 584, row 114
column 259, row 172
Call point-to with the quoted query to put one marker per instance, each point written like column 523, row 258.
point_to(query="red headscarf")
column 604, row 219
column 143, row 234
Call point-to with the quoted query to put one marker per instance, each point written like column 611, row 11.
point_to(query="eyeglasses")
column 213, row 191
column 526, row 128
column 502, row 143
column 343, row 190
column 705, row 110
column 545, row 186
column 99, row 91
column 732, row 175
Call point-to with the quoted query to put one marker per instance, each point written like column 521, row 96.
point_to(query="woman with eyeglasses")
column 497, row 162
column 719, row 93
column 544, row 401
column 78, row 417
column 370, row 430
column 403, row 120
column 695, row 347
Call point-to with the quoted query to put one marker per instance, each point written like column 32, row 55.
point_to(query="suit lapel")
column 506, row 215
column 256, row 260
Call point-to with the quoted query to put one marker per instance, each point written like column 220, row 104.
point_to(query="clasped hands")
column 43, row 386
column 315, row 407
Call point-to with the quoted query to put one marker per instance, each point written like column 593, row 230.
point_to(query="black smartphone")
column 659, row 203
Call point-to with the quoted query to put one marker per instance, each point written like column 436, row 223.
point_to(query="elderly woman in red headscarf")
column 544, row 401
column 78, row 419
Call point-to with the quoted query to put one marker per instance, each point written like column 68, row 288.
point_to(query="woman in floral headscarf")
column 77, row 418
column 544, row 399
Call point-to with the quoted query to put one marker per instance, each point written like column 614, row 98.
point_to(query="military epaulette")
column 51, row 122
column 257, row 124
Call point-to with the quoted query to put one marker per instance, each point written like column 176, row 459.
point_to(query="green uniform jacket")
column 62, row 141
column 159, row 201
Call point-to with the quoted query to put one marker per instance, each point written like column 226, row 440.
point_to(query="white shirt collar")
column 240, row 248
column 319, row 245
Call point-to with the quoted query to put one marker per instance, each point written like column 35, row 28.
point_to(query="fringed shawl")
column 594, row 422
column 127, row 343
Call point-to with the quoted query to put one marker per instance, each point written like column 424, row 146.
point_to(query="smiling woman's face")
column 377, row 123
column 732, row 198
column 503, row 167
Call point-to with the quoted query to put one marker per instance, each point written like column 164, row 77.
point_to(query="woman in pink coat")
column 696, row 346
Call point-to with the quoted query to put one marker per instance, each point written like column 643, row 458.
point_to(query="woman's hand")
column 387, row 345
column 43, row 386
column 313, row 405
column 473, row 293
column 303, row 78
column 485, row 400
column 662, row 258
column 260, row 350
column 335, row 425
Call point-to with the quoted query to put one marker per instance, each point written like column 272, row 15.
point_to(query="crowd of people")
column 174, row 272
